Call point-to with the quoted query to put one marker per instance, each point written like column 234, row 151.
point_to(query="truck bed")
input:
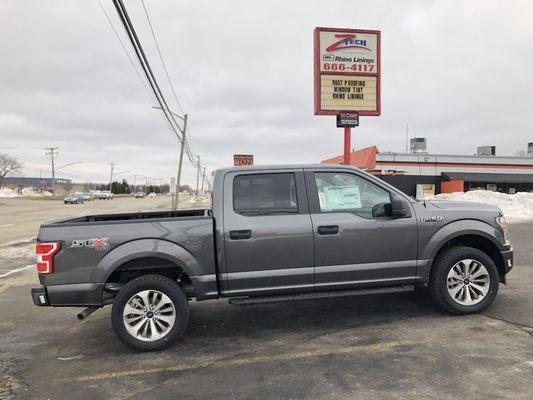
column 131, row 216
column 161, row 238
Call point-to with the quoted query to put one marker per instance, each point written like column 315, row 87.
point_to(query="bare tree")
column 8, row 166
column 520, row 153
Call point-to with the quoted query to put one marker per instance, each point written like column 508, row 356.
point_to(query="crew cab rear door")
column 268, row 235
column 355, row 245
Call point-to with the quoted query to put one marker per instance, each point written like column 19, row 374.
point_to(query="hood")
column 464, row 205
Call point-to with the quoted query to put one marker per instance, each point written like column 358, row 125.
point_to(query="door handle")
column 240, row 235
column 328, row 230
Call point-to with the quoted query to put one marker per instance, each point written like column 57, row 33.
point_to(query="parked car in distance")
column 139, row 195
column 73, row 199
column 106, row 195
column 86, row 196
column 152, row 194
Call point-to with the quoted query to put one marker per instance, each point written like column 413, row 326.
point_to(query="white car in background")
column 106, row 195
column 152, row 195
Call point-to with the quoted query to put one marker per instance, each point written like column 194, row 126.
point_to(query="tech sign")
column 347, row 71
column 347, row 77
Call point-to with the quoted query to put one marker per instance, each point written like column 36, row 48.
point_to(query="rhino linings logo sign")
column 347, row 71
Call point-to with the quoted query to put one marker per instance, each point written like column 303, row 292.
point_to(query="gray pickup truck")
column 273, row 234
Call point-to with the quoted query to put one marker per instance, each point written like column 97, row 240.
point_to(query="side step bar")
column 321, row 295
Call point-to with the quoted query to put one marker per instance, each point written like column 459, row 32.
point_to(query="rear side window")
column 265, row 194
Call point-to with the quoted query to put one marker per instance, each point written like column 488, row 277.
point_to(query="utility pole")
column 134, row 183
column 180, row 163
column 146, row 184
column 52, row 152
column 198, row 176
column 111, row 176
column 203, row 178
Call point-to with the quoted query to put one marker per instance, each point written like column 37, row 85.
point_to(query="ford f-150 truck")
column 273, row 234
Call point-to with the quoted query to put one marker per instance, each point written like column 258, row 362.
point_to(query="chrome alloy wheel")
column 149, row 315
column 468, row 282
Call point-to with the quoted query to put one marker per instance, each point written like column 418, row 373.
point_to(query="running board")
column 321, row 295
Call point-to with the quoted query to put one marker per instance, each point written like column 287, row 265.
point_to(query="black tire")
column 151, row 282
column 438, row 279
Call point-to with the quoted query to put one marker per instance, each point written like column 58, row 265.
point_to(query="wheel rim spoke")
column 468, row 282
column 149, row 315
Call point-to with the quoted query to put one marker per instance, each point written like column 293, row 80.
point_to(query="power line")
column 145, row 65
column 126, row 51
column 161, row 56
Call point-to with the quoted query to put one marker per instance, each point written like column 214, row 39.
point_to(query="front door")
column 357, row 241
column 268, row 235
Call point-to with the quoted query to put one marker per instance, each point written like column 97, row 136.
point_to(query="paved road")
column 20, row 218
column 382, row 347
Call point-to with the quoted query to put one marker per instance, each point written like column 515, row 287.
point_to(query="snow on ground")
column 28, row 192
column 6, row 193
column 10, row 252
column 516, row 207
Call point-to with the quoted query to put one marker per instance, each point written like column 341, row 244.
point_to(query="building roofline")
column 453, row 155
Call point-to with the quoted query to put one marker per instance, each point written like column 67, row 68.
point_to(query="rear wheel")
column 463, row 280
column 150, row 313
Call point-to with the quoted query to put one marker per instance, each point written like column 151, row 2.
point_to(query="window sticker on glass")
column 341, row 198
column 322, row 200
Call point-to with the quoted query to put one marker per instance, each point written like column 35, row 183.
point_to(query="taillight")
column 45, row 252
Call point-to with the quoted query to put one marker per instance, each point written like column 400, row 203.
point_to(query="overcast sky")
column 459, row 72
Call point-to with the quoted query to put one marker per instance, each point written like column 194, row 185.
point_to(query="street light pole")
column 52, row 152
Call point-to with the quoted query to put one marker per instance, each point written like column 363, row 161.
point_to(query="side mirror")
column 400, row 208
column 381, row 210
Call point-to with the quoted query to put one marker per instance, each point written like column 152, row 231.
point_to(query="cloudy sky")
column 459, row 72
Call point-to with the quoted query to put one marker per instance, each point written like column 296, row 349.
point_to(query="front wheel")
column 150, row 313
column 463, row 280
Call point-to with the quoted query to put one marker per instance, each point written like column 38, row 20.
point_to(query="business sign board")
column 243, row 159
column 348, row 119
column 347, row 75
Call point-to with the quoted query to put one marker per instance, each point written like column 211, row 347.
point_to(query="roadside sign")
column 347, row 75
column 243, row 159
column 347, row 119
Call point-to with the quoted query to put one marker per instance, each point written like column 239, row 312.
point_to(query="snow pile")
column 7, row 193
column 26, row 251
column 27, row 192
column 516, row 207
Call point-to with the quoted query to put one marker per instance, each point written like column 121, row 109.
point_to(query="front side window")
column 342, row 192
column 265, row 194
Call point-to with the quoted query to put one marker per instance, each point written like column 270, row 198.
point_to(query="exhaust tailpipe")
column 85, row 313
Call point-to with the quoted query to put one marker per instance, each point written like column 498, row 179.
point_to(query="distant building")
column 62, row 185
column 446, row 172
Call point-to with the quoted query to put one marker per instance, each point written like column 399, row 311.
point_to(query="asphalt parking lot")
column 380, row 347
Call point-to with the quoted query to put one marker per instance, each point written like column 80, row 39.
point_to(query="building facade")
column 416, row 171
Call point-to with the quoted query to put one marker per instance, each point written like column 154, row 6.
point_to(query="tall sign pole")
column 347, row 77
column 347, row 144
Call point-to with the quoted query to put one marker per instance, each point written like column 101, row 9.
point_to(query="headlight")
column 503, row 224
